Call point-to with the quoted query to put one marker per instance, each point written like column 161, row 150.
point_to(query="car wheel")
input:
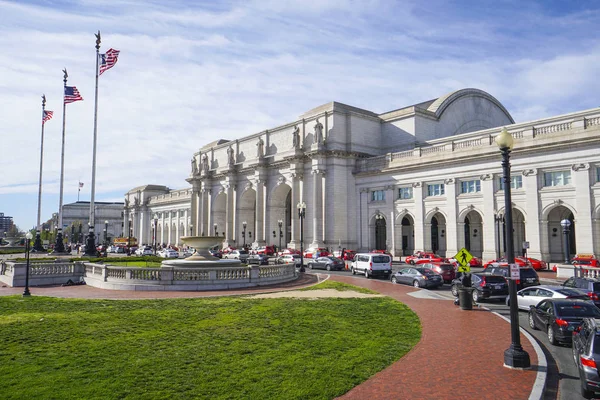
column 353, row 271
column 412, row 262
column 551, row 337
column 531, row 322
column 454, row 290
column 394, row 280
column 310, row 266
column 366, row 273
column 475, row 296
column 328, row 268
column 416, row 284
column 586, row 394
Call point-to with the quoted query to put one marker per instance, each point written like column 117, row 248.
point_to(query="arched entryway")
column 405, row 239
column 280, row 207
column 435, row 233
column 219, row 215
column 556, row 236
column 247, row 214
column 380, row 233
column 472, row 233
column 519, row 237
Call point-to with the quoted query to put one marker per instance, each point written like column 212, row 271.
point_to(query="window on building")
column 557, row 178
column 378, row 195
column 436, row 189
column 597, row 174
column 516, row 182
column 470, row 186
column 405, row 193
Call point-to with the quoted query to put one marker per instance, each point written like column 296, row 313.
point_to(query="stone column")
column 452, row 245
column 317, row 208
column 363, row 219
column 418, row 229
column 259, row 229
column 583, row 205
column 202, row 213
column 535, row 229
column 489, row 230
column 194, row 202
column 229, row 214
column 295, row 225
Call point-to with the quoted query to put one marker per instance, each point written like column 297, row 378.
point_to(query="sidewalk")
column 460, row 355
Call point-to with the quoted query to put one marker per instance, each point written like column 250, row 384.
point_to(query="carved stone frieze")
column 532, row 171
column 417, row 184
column 582, row 166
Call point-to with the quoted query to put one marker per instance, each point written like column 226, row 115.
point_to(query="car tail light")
column 562, row 322
column 593, row 296
column 588, row 362
column 482, row 284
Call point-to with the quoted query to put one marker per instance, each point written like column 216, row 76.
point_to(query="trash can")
column 464, row 298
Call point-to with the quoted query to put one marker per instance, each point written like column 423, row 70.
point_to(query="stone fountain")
column 201, row 257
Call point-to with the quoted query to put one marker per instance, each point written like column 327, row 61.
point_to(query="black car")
column 586, row 354
column 528, row 276
column 486, row 286
column 560, row 317
column 258, row 259
column 590, row 285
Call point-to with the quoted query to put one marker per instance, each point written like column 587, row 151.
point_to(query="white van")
column 372, row 264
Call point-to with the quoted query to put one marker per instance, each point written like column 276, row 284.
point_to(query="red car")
column 286, row 252
column 421, row 257
column 585, row 260
column 309, row 253
column 537, row 264
column 520, row 261
column 446, row 270
column 266, row 250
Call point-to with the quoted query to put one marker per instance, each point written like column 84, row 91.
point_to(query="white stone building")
column 423, row 177
column 109, row 217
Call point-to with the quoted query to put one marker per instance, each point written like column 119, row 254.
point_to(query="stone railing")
column 135, row 278
column 483, row 140
column 568, row 270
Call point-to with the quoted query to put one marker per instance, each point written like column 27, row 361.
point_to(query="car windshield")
column 577, row 310
column 596, row 286
column 243, row 252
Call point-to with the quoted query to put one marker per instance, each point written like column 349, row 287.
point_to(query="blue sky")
column 192, row 72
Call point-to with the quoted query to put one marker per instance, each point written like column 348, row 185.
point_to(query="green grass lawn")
column 146, row 264
column 210, row 348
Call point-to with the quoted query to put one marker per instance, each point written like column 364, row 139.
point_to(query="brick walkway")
column 460, row 355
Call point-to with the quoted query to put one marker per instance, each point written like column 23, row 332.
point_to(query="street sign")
column 514, row 272
column 463, row 257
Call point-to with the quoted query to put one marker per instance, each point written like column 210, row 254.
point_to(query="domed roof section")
column 440, row 104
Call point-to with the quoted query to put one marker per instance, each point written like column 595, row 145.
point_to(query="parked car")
column 536, row 264
column 144, row 251
column 328, row 263
column 186, row 252
column 560, row 317
column 531, row 296
column 216, row 253
column 315, row 253
column 520, row 261
column 266, row 250
column 120, row 249
column 167, row 253
column 447, row 271
column 258, row 259
column 419, row 277
column 589, row 285
column 286, row 252
column 528, row 276
column 290, row 259
column 241, row 255
column 485, row 286
column 347, row 256
column 586, row 354
column 421, row 257
column 372, row 264
column 585, row 260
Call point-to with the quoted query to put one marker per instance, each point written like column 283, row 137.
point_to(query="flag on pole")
column 72, row 94
column 108, row 60
column 47, row 116
column 80, row 185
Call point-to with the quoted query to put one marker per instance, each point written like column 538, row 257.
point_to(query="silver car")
column 328, row 263
column 532, row 295
column 418, row 277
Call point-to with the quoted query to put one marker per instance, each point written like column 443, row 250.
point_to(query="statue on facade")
column 260, row 148
column 296, row 137
column 204, row 162
column 230, row 156
column 318, row 132
column 194, row 166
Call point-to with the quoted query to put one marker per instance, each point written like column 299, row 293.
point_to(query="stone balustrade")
column 135, row 278
column 568, row 270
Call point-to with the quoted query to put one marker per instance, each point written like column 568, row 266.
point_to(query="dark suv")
column 485, row 285
column 528, row 276
column 590, row 285
column 586, row 354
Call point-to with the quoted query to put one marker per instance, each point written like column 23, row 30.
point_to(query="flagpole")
column 37, row 245
column 91, row 242
column 59, row 246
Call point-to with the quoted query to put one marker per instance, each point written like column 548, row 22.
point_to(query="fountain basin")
column 201, row 257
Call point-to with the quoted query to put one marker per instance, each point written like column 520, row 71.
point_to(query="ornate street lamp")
column 106, row 232
column 244, row 225
column 28, row 237
column 514, row 356
column 216, row 232
column 280, row 223
column 566, row 224
column 191, row 229
column 90, row 247
column 301, row 214
column 129, row 237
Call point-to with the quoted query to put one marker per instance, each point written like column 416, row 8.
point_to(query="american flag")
column 72, row 94
column 108, row 60
column 80, row 184
column 47, row 116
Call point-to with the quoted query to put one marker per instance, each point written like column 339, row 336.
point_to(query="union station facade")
column 423, row 177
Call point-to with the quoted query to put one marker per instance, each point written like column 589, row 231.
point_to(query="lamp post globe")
column 566, row 225
column 28, row 237
column 514, row 357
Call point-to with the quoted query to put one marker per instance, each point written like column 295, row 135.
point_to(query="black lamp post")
column 244, row 225
column 90, row 247
column 106, row 232
column 37, row 245
column 129, row 237
column 514, row 356
column 566, row 224
column 280, row 223
column 216, row 232
column 28, row 237
column 191, row 229
column 498, row 219
column 301, row 214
